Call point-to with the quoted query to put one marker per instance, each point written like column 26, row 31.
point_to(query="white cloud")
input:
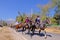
column 10, row 19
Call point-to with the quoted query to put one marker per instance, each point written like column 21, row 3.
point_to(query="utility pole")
column 31, row 12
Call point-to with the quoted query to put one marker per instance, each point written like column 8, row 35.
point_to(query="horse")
column 22, row 26
column 17, row 26
column 41, row 26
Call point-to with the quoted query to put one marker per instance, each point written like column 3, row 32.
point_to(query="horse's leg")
column 39, row 31
column 16, row 29
column 23, row 28
column 33, row 30
column 45, row 34
column 28, row 29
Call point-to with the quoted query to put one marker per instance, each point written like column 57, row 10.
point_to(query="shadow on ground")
column 41, row 34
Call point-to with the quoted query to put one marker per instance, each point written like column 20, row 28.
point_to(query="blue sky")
column 10, row 8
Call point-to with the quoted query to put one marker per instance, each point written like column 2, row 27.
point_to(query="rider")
column 27, row 20
column 37, row 20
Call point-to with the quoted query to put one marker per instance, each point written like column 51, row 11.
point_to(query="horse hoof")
column 45, row 37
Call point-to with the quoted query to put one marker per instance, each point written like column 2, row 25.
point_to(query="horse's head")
column 43, row 24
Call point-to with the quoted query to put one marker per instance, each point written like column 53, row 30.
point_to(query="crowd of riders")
column 37, row 20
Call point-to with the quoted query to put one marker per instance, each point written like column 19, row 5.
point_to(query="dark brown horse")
column 43, row 26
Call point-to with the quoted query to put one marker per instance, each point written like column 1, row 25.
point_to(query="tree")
column 20, row 18
column 57, row 17
column 44, row 10
column 53, row 21
column 57, row 14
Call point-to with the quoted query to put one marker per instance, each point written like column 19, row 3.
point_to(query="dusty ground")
column 5, row 34
column 8, row 34
column 53, row 30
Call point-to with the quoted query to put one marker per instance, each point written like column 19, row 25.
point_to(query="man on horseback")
column 37, row 21
column 27, row 20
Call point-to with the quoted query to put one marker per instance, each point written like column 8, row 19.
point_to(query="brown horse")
column 18, row 26
column 21, row 25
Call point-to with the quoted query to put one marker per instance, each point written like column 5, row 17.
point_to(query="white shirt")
column 38, row 18
column 16, row 23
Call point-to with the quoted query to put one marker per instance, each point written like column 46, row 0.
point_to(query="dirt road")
column 7, row 33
